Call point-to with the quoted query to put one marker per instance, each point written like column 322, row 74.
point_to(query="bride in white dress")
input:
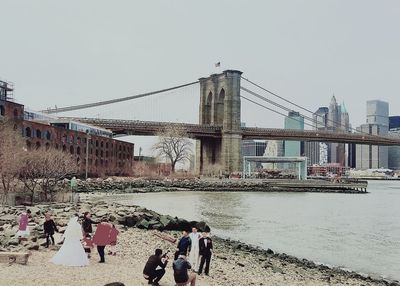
column 72, row 252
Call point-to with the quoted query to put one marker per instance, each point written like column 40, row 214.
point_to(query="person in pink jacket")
column 23, row 229
column 113, row 240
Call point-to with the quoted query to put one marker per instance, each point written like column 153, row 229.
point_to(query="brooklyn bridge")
column 219, row 131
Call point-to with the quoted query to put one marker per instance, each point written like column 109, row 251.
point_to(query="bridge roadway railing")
column 317, row 135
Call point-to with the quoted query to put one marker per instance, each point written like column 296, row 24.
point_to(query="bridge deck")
column 135, row 127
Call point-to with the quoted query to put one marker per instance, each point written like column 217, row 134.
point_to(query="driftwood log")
column 165, row 237
column 14, row 257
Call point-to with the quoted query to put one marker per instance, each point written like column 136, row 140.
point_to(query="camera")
column 165, row 255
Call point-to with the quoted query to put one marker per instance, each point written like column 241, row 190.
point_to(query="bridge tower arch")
column 220, row 106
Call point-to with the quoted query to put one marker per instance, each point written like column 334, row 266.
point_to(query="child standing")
column 23, row 228
column 113, row 240
column 49, row 229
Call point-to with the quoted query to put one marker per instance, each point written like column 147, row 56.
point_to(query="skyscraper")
column 372, row 157
column 335, row 119
column 296, row 122
column 394, row 151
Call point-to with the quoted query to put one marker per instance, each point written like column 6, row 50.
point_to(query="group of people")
column 78, row 240
column 194, row 250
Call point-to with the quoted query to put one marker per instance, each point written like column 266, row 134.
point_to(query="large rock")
column 131, row 221
column 8, row 218
column 143, row 224
column 101, row 213
column 13, row 241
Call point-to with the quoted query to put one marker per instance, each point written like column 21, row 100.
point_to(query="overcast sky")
column 72, row 52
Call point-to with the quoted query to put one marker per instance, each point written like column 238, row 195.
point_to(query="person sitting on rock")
column 49, row 228
column 150, row 271
column 181, row 276
column 184, row 244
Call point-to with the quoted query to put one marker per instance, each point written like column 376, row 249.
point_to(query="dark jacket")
column 152, row 263
column 181, row 267
column 184, row 245
column 87, row 225
column 203, row 249
column 49, row 227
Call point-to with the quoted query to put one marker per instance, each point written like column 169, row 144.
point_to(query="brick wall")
column 106, row 156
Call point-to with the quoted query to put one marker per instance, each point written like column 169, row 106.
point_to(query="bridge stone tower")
column 220, row 106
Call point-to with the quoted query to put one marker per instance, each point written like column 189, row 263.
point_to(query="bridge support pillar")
column 220, row 106
column 232, row 152
column 208, row 155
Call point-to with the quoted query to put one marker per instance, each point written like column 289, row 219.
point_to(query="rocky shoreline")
column 128, row 218
column 147, row 185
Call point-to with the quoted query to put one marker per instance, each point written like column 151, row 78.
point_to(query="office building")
column 294, row 121
column 394, row 151
column 334, row 118
column 368, row 156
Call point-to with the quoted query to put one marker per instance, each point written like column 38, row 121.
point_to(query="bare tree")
column 30, row 173
column 55, row 166
column 45, row 169
column 11, row 150
column 174, row 146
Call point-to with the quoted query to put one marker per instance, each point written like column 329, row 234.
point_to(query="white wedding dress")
column 194, row 258
column 72, row 252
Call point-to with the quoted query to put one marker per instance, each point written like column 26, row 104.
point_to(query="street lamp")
column 87, row 153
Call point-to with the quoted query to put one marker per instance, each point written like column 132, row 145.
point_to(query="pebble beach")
column 233, row 262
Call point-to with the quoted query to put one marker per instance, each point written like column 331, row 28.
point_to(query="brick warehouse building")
column 106, row 157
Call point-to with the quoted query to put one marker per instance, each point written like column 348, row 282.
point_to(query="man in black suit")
column 205, row 251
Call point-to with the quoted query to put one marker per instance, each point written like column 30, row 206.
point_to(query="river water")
column 360, row 232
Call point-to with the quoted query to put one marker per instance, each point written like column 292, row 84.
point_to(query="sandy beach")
column 233, row 263
column 228, row 267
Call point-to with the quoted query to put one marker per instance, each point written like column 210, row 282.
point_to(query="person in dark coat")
column 49, row 228
column 184, row 245
column 205, row 251
column 181, row 275
column 150, row 271
column 87, row 229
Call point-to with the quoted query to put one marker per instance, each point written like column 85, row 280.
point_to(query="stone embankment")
column 121, row 215
column 133, row 185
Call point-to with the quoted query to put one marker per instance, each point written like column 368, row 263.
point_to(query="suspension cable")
column 276, row 104
column 275, row 111
column 100, row 103
column 303, row 108
column 298, row 106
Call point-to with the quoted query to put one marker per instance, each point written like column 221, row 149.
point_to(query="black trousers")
column 205, row 258
column 100, row 250
column 48, row 237
column 157, row 275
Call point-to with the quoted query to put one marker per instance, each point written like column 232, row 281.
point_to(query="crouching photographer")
column 150, row 271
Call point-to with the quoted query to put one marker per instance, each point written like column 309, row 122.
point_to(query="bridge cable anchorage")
column 275, row 111
column 306, row 109
column 111, row 101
